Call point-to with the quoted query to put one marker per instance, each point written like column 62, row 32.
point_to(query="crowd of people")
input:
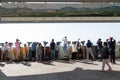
column 106, row 51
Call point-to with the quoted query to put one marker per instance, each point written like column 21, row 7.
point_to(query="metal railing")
column 60, row 0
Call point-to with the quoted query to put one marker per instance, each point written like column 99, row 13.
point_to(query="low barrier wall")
column 12, row 52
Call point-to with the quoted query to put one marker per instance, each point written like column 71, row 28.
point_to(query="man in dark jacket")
column 99, row 45
column 111, row 46
column 89, row 50
column 52, row 47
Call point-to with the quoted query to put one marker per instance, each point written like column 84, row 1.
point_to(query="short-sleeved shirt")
column 17, row 44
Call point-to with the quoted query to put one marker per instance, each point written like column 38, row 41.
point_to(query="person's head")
column 75, row 42
column 111, row 38
column 107, row 40
column 6, row 42
column 105, row 44
column 25, row 45
column 99, row 39
column 39, row 44
column 65, row 37
column 17, row 40
column 52, row 40
column 88, row 40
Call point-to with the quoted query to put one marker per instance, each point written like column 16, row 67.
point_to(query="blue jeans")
column 65, row 49
column 53, row 54
column 99, row 51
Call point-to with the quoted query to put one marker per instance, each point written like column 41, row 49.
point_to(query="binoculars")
column 10, row 43
column 44, row 42
column 83, row 42
column 29, row 43
column 2, row 44
column 69, row 42
column 58, row 43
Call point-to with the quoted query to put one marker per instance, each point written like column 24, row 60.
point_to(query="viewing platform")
column 59, row 70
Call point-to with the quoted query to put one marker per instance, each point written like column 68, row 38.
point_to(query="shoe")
column 102, row 71
column 114, row 62
column 109, row 69
column 99, row 55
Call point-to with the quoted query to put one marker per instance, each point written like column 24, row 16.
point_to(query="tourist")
column 52, row 48
column 65, row 40
column 99, row 45
column 39, row 52
column 89, row 50
column 17, row 47
column 105, row 56
column 111, row 46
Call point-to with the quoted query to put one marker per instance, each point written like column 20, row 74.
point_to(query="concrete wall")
column 61, row 52
column 60, row 19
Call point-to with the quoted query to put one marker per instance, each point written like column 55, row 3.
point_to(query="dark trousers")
column 33, row 55
column 56, row 54
column 112, row 56
column 73, row 55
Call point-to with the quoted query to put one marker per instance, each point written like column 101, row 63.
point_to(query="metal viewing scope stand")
column 2, row 44
column 28, row 47
column 45, row 43
column 84, row 49
column 60, row 0
column 69, row 42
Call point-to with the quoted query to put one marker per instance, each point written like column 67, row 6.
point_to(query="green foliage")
column 63, row 12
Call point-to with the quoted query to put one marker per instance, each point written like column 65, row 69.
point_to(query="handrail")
column 60, row 0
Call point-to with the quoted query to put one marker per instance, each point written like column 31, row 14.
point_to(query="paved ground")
column 58, row 70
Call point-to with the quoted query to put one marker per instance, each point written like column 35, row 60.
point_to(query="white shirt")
column 65, row 40
column 6, row 46
column 74, row 48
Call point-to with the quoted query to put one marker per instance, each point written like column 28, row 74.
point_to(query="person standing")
column 6, row 48
column 25, row 52
column 17, row 47
column 99, row 45
column 39, row 52
column 79, row 51
column 74, row 50
column 57, row 49
column 89, row 49
column 65, row 40
column 105, row 56
column 33, row 51
column 52, row 47
column 111, row 46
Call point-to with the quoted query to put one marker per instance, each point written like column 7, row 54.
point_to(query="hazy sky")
column 47, row 31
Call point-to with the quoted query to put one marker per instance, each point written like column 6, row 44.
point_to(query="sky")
column 40, row 32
